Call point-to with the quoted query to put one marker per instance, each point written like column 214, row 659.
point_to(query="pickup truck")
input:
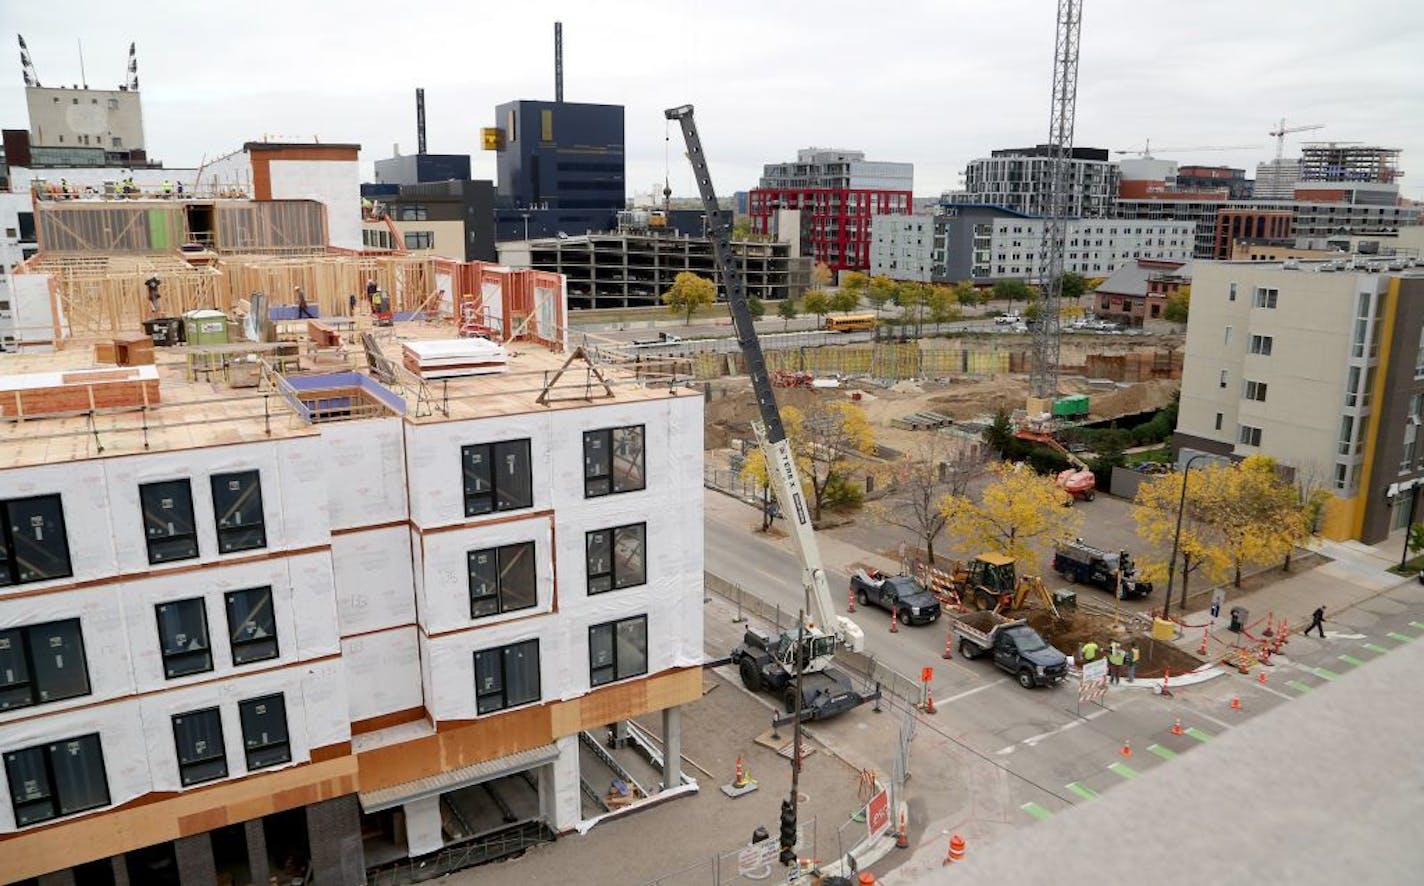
column 901, row 594
column 1016, row 647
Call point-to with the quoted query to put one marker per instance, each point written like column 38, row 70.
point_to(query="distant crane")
column 27, row 67
column 1281, row 131
column 1147, row 149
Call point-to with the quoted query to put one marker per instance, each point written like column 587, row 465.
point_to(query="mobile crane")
column 765, row 662
column 1079, row 480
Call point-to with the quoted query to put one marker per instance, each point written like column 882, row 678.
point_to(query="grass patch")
column 1161, row 455
column 1410, row 567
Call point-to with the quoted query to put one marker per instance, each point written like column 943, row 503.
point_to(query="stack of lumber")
column 455, row 357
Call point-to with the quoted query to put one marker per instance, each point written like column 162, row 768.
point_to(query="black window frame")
column 200, row 769
column 499, row 593
column 280, row 749
column 600, row 475
column 167, row 548
column 20, row 643
column 614, row 674
column 202, row 655
column 492, row 700
column 52, row 795
column 252, row 641
column 11, row 562
column 598, row 574
column 488, row 500
column 239, row 535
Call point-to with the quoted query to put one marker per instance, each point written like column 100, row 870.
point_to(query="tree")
column 967, row 295
column 880, row 291
column 742, row 228
column 999, row 435
column 1072, row 285
column 756, row 306
column 816, row 302
column 911, row 296
column 824, row 442
column 1178, row 305
column 689, row 293
column 1012, row 289
column 1156, row 511
column 1256, row 514
column 855, row 281
column 943, row 303
column 1018, row 514
column 844, row 301
column 937, row 467
column 787, row 312
column 821, row 275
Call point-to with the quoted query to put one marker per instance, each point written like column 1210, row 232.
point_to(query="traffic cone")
column 1270, row 630
column 894, row 611
column 741, row 779
column 1177, row 726
column 1201, row 650
column 850, row 606
column 929, row 699
column 902, row 835
column 956, row 850
column 1284, row 632
column 1236, row 702
column 1126, row 748
column 1261, row 677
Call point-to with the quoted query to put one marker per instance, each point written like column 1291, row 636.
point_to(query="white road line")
column 968, row 692
column 1033, row 740
column 1276, row 692
column 1209, row 718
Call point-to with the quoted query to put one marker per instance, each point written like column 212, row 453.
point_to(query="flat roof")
column 195, row 412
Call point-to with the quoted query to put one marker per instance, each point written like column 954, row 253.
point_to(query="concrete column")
column 422, row 826
column 564, row 784
column 57, row 878
column 256, row 838
column 120, row 865
column 334, row 834
column 195, row 860
column 672, row 747
column 619, row 738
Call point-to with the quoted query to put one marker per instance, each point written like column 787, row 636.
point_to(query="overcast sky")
column 933, row 83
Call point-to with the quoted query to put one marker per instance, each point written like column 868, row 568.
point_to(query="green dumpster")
column 205, row 327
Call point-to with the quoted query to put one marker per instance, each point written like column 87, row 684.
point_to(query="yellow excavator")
column 990, row 581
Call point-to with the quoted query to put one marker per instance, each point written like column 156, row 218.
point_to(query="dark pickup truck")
column 1016, row 647
column 901, row 594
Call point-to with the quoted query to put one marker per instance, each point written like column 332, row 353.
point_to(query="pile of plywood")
column 454, row 357
column 48, row 393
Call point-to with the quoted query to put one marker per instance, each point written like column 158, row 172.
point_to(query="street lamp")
column 1177, row 538
column 526, row 226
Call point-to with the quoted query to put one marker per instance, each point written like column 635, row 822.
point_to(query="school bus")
column 850, row 323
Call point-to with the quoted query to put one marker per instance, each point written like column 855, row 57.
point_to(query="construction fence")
column 891, row 361
column 750, row 863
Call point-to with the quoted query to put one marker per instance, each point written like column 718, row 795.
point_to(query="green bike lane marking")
column 1323, row 674
column 1298, row 686
column 1375, row 647
column 1350, row 659
column 1399, row 638
column 1036, row 811
column 1164, row 753
column 1083, row 791
column 1124, row 770
column 1198, row 734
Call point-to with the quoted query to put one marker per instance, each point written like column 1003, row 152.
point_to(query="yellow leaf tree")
column 1199, row 550
column 825, row 442
column 689, row 292
column 1019, row 514
column 1258, row 516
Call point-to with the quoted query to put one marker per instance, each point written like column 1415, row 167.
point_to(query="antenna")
column 83, row 78
column 132, row 79
column 420, row 120
column 26, row 66
column 559, row 62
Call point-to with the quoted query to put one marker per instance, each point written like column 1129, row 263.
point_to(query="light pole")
column 1177, row 538
column 526, row 226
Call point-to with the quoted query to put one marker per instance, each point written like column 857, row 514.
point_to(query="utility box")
column 205, row 327
column 1064, row 598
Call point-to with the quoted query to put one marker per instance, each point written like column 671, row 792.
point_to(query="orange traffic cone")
column 902, row 834
column 1126, row 748
column 948, row 645
column 956, row 850
column 929, row 699
column 894, row 612
column 1270, row 630
column 850, row 606
column 1177, row 726
column 1261, row 677
column 1235, row 703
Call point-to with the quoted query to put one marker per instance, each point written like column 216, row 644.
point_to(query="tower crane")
column 766, row 662
column 1281, row 131
column 1147, row 149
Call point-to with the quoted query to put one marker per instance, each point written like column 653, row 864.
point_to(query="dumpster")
column 1238, row 619
column 206, row 327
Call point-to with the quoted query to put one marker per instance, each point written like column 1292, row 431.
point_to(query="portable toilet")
column 205, row 327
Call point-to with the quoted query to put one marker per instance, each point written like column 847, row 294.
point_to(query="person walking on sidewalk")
column 1116, row 657
column 1317, row 621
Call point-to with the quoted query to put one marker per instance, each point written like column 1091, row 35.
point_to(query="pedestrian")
column 371, row 288
column 1116, row 657
column 153, row 296
column 351, row 305
column 1132, row 658
column 1317, row 622
column 302, row 309
column 1089, row 651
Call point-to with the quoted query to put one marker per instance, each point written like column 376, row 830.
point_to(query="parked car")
column 901, row 594
column 1008, row 318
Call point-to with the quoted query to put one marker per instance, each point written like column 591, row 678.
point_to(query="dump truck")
column 1081, row 563
column 1015, row 647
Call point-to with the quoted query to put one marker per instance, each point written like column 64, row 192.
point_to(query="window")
column 1222, row 378
column 419, row 239
column 1218, row 421
column 237, row 503
column 613, row 461
column 1419, row 356
column 251, row 625
column 33, row 546
column 198, row 737
column 60, row 778
column 1347, row 434
column 502, row 579
column 1264, row 298
column 1255, row 390
column 168, row 520
column 497, row 477
column 1249, row 436
column 617, row 558
column 1261, row 344
column 42, row 663
column 618, row 650
column 411, row 212
column 264, row 731
column 507, row 676
column 118, row 142
column 183, row 637
column 1226, row 339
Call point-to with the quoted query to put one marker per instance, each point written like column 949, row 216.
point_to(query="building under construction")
column 1337, row 162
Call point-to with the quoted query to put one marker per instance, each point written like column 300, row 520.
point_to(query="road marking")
column 968, row 692
column 1164, row 753
column 1375, row 647
column 1299, row 686
column 1036, row 811
column 1033, row 740
column 1210, row 719
column 1083, row 791
column 1402, row 638
column 1275, row 692
column 1350, row 659
column 1124, row 770
column 1199, row 734
column 1323, row 674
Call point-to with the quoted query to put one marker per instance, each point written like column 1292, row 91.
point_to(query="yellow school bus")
column 850, row 323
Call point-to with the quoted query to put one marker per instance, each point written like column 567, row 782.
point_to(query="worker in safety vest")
column 1116, row 658
column 167, row 189
column 1090, row 651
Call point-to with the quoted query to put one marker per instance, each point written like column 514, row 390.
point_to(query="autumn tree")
column 1257, row 515
column 844, row 301
column 855, row 281
column 1198, row 548
column 1178, row 305
column 1019, row 514
column 1012, row 289
column 943, row 304
column 816, row 302
column 787, row 312
column 688, row 294
column 820, row 275
column 1072, row 285
column 756, row 306
column 826, row 442
column 742, row 229
column 965, row 294
column 880, row 291
column 937, row 467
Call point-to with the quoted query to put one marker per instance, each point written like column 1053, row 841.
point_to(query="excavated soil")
column 1077, row 627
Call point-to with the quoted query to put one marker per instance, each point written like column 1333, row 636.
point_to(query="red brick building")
column 1138, row 290
column 1258, row 225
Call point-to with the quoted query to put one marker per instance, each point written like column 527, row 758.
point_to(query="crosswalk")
column 1124, row 772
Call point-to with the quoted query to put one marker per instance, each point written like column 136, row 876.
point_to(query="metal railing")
column 478, row 850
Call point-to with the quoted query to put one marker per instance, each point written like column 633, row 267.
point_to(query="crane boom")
column 776, row 448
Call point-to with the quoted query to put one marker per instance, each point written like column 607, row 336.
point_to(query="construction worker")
column 167, row 189
column 153, row 296
column 1133, row 656
column 302, row 309
column 366, row 206
column 1089, row 651
column 1116, row 658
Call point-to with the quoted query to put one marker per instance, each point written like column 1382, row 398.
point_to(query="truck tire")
column 985, row 599
column 751, row 677
column 1026, row 678
column 861, row 597
column 788, row 698
column 1088, row 496
column 904, row 616
column 968, row 650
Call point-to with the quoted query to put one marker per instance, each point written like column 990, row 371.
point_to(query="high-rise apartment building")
column 1275, row 179
column 1019, row 179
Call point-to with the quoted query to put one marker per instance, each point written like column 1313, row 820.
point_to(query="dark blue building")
column 414, row 169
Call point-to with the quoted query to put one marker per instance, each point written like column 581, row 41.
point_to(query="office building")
column 1320, row 365
column 304, row 636
column 902, row 247
column 1275, row 179
column 1206, row 178
column 838, row 193
column 451, row 219
column 1138, row 291
column 1019, row 179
